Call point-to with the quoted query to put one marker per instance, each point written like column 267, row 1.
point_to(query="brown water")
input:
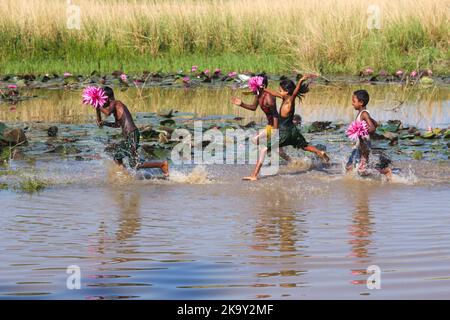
column 308, row 232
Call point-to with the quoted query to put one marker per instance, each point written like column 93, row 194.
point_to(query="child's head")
column 287, row 88
column 109, row 93
column 360, row 99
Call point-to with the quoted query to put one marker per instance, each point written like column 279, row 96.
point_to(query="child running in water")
column 362, row 149
column 127, row 148
column 268, row 105
column 289, row 132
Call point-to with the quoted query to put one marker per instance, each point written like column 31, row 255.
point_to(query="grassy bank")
column 328, row 36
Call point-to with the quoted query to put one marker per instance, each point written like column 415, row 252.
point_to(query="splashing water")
column 199, row 175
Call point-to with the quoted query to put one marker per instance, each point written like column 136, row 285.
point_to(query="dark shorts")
column 291, row 136
column 128, row 148
column 365, row 147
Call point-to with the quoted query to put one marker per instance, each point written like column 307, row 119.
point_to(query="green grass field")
column 328, row 37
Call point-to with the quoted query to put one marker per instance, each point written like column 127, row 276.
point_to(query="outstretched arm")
column 299, row 84
column 240, row 103
column 273, row 93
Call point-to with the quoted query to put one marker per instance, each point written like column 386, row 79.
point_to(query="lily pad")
column 426, row 81
column 167, row 122
column 417, row 155
column 407, row 136
column 447, row 134
column 428, row 135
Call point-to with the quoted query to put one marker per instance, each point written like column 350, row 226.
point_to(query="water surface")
column 308, row 232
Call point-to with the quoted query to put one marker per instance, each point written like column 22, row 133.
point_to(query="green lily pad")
column 428, row 135
column 417, row 155
column 414, row 143
column 447, row 134
column 407, row 136
column 426, row 80
column 167, row 122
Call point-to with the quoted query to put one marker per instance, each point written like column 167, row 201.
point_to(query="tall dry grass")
column 329, row 36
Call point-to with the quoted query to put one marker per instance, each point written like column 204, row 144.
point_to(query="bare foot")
column 325, row 158
column 387, row 172
column 250, row 178
column 165, row 168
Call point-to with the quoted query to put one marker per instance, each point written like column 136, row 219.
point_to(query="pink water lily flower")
column 67, row 74
column 368, row 71
column 94, row 96
column 123, row 77
column 232, row 74
column 12, row 86
column 206, row 71
column 413, row 74
column 194, row 68
column 255, row 83
column 357, row 129
column 399, row 73
column 186, row 80
column 217, row 71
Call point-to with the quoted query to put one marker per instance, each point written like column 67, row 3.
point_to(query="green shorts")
column 291, row 136
column 128, row 148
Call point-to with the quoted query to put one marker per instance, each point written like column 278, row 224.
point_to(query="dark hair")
column 109, row 92
column 363, row 96
column 289, row 86
column 265, row 79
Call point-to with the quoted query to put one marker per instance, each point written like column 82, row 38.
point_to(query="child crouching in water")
column 362, row 148
column 127, row 148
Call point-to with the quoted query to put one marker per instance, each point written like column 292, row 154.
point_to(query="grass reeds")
column 327, row 36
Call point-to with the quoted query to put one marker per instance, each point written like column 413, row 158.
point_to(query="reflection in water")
column 279, row 233
column 362, row 227
column 415, row 106
column 361, row 232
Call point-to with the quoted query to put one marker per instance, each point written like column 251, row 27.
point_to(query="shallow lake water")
column 309, row 232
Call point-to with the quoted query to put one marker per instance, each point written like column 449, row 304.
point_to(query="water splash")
column 199, row 175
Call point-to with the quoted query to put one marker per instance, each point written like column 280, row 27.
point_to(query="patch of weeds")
column 31, row 185
column 3, row 186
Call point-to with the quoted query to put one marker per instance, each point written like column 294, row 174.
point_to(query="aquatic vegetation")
column 417, row 155
column 357, row 129
column 3, row 186
column 94, row 96
column 31, row 185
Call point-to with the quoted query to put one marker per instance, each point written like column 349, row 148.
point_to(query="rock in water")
column 13, row 137
column 52, row 131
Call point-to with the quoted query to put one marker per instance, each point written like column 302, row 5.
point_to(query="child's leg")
column 258, row 166
column 321, row 154
column 284, row 155
column 119, row 162
column 163, row 165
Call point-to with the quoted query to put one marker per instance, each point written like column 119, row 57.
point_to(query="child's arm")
column 299, row 84
column 240, row 103
column 365, row 116
column 273, row 93
column 107, row 111
column 99, row 118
